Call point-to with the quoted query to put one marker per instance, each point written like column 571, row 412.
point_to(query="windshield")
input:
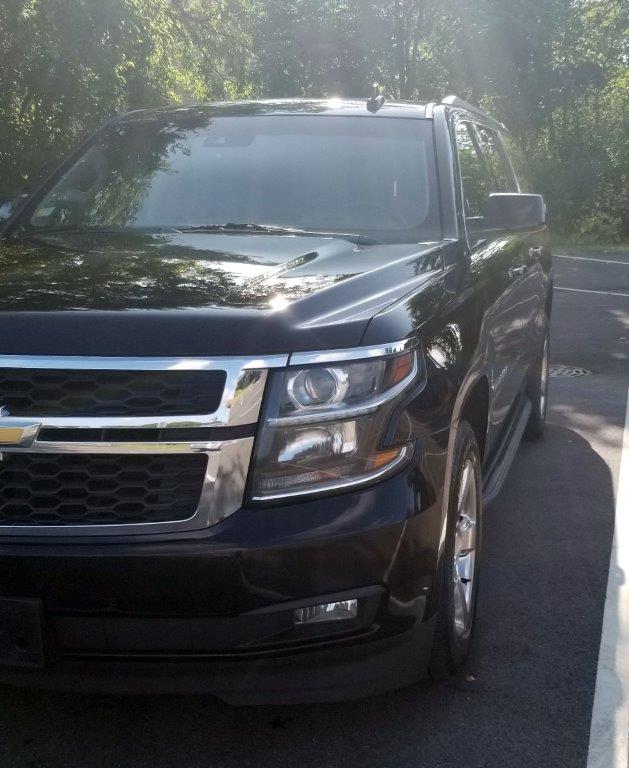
column 370, row 176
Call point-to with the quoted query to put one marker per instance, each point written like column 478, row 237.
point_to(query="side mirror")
column 9, row 205
column 515, row 211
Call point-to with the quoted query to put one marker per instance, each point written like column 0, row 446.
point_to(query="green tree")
column 68, row 65
column 555, row 71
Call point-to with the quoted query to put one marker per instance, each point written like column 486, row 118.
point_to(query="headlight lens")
column 317, row 386
column 324, row 426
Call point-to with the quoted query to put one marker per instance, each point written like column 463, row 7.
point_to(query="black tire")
column 452, row 642
column 537, row 392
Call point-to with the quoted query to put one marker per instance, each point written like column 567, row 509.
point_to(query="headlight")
column 317, row 386
column 324, row 425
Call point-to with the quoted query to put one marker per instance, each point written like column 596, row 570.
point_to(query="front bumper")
column 341, row 672
column 211, row 611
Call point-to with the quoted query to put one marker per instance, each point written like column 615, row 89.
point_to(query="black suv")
column 262, row 364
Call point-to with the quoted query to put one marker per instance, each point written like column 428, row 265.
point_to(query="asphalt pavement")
column 525, row 697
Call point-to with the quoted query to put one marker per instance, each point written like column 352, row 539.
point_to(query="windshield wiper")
column 84, row 228
column 59, row 230
column 271, row 229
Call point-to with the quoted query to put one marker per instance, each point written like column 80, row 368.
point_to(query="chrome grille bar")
column 239, row 403
column 227, row 460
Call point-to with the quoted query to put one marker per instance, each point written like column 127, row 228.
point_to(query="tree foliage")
column 554, row 70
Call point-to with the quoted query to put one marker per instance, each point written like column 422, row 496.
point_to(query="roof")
column 332, row 106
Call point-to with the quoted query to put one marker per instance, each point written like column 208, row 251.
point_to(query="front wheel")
column 459, row 582
column 537, row 391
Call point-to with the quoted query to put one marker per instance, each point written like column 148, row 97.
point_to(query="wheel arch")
column 549, row 301
column 475, row 410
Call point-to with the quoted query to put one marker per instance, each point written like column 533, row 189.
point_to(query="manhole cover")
column 567, row 370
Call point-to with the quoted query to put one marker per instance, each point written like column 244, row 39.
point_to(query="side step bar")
column 499, row 468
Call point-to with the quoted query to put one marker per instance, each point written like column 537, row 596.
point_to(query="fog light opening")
column 319, row 614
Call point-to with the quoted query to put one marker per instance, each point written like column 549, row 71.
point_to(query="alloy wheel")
column 465, row 550
column 543, row 385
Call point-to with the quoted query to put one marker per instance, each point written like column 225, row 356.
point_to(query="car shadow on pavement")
column 523, row 699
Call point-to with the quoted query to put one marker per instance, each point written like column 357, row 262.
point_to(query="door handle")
column 518, row 271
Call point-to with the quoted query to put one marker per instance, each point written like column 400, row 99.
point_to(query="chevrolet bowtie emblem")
column 19, row 432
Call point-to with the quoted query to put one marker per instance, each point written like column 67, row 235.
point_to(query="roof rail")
column 455, row 101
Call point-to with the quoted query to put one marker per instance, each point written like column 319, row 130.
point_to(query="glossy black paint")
column 178, row 293
column 515, row 212
column 226, row 595
column 477, row 315
column 260, row 556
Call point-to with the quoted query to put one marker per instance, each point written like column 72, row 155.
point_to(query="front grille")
column 90, row 392
column 99, row 489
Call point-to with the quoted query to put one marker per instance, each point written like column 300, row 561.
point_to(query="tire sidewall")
column 537, row 419
column 457, row 646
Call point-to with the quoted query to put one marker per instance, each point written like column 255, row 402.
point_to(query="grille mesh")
column 98, row 489
column 51, row 392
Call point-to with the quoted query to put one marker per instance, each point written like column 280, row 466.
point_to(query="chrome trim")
column 240, row 402
column 225, row 480
column 356, row 353
column 228, row 460
column 129, row 447
column 404, row 456
column 334, row 413
column 221, row 496
column 142, row 363
column 19, row 432
column 137, row 422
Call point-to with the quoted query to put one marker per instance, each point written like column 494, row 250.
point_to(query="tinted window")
column 475, row 177
column 372, row 176
column 501, row 174
column 519, row 163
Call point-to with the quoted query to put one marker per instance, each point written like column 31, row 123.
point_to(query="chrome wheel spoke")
column 544, row 380
column 461, row 608
column 465, row 567
column 464, row 550
column 466, row 476
column 465, row 535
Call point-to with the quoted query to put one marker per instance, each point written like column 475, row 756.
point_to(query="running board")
column 499, row 467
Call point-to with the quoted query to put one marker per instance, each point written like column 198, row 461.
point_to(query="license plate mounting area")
column 21, row 633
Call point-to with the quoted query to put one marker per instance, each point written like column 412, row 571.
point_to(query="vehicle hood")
column 197, row 293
